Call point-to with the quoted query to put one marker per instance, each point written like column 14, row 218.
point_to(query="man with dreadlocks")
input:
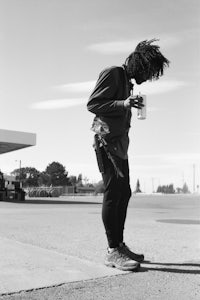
column 111, row 101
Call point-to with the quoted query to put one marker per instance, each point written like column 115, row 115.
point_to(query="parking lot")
column 47, row 242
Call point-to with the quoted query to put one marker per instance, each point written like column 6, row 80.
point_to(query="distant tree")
column 166, row 189
column 171, row 189
column 44, row 179
column 80, row 180
column 28, row 175
column 159, row 189
column 20, row 174
column 57, row 173
column 72, row 180
column 137, row 189
column 32, row 177
column 90, row 184
column 179, row 190
column 185, row 188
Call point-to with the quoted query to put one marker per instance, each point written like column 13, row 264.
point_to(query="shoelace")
column 123, row 255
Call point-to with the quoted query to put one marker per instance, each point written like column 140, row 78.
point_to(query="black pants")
column 116, row 197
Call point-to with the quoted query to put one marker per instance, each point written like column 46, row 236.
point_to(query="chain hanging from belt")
column 101, row 129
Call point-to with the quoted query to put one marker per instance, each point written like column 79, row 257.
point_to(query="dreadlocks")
column 146, row 59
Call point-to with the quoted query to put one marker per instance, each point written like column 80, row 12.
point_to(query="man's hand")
column 133, row 101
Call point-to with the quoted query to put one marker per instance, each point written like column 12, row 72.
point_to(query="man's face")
column 141, row 77
column 138, row 73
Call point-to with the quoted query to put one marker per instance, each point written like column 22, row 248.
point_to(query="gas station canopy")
column 14, row 140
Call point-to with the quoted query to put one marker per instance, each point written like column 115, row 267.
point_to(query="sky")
column 51, row 54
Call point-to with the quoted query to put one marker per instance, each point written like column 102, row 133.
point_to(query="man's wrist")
column 120, row 104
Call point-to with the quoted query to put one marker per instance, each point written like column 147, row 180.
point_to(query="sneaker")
column 137, row 257
column 118, row 259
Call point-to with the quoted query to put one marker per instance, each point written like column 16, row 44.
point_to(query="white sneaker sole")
column 127, row 268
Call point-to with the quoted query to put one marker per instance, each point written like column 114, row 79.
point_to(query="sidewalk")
column 26, row 267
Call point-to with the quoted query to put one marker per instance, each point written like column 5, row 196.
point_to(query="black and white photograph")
column 99, row 150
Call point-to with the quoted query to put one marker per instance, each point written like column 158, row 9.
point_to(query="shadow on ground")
column 41, row 201
column 171, row 267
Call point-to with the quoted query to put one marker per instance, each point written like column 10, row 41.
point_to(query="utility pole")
column 194, row 179
column 20, row 172
column 152, row 185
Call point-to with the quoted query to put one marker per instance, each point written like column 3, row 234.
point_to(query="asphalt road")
column 40, row 236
